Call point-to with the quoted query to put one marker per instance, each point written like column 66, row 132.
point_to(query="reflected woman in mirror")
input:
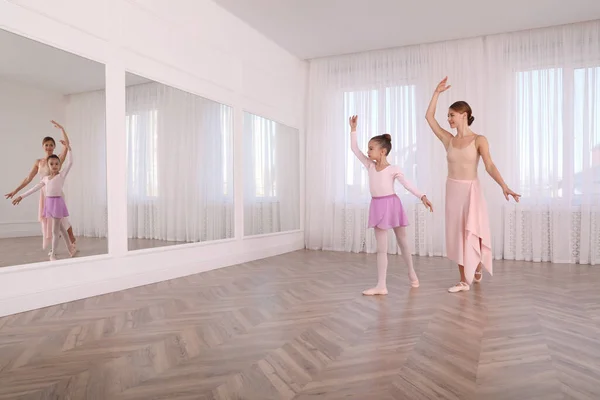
column 41, row 166
column 55, row 209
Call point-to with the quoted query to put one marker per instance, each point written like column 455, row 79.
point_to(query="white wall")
column 190, row 44
column 25, row 114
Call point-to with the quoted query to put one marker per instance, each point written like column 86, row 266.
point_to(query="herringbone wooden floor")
column 27, row 250
column 297, row 327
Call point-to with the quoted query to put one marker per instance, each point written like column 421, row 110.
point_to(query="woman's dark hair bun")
column 387, row 137
column 462, row 107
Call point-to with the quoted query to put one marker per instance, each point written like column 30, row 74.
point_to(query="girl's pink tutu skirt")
column 387, row 212
column 55, row 207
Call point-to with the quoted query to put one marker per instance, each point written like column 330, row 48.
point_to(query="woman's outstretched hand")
column 507, row 192
column 57, row 125
column 442, row 87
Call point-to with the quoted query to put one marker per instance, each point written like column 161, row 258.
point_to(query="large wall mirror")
column 179, row 166
column 271, row 176
column 54, row 199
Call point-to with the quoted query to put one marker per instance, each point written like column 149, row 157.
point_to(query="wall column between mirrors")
column 116, row 142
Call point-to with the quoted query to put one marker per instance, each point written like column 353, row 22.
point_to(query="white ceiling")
column 35, row 64
column 319, row 28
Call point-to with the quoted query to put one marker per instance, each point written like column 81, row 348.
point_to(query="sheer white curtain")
column 535, row 95
column 271, row 176
column 180, row 165
column 551, row 77
column 85, row 188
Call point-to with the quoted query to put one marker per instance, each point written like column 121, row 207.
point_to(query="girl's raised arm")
column 354, row 145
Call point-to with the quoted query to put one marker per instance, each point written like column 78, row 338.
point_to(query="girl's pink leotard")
column 381, row 183
column 53, row 186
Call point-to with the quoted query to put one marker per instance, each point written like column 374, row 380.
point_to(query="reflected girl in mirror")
column 55, row 209
column 41, row 166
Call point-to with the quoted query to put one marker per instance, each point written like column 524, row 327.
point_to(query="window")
column 558, row 130
column 388, row 110
column 540, row 130
column 142, row 153
column 263, row 134
column 227, row 146
column 586, row 151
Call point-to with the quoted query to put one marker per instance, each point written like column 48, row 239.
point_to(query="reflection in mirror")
column 180, row 166
column 271, row 176
column 54, row 199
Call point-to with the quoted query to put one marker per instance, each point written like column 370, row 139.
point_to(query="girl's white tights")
column 382, row 260
column 57, row 228
column 406, row 254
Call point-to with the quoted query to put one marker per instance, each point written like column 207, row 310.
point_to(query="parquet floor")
column 27, row 250
column 296, row 327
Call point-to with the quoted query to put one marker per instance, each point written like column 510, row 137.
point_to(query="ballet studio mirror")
column 49, row 99
column 271, row 176
column 179, row 166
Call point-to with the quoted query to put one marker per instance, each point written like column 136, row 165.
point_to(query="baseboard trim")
column 9, row 230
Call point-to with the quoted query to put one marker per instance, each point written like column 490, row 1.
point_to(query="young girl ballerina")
column 386, row 211
column 55, row 209
column 468, row 239
column 41, row 166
